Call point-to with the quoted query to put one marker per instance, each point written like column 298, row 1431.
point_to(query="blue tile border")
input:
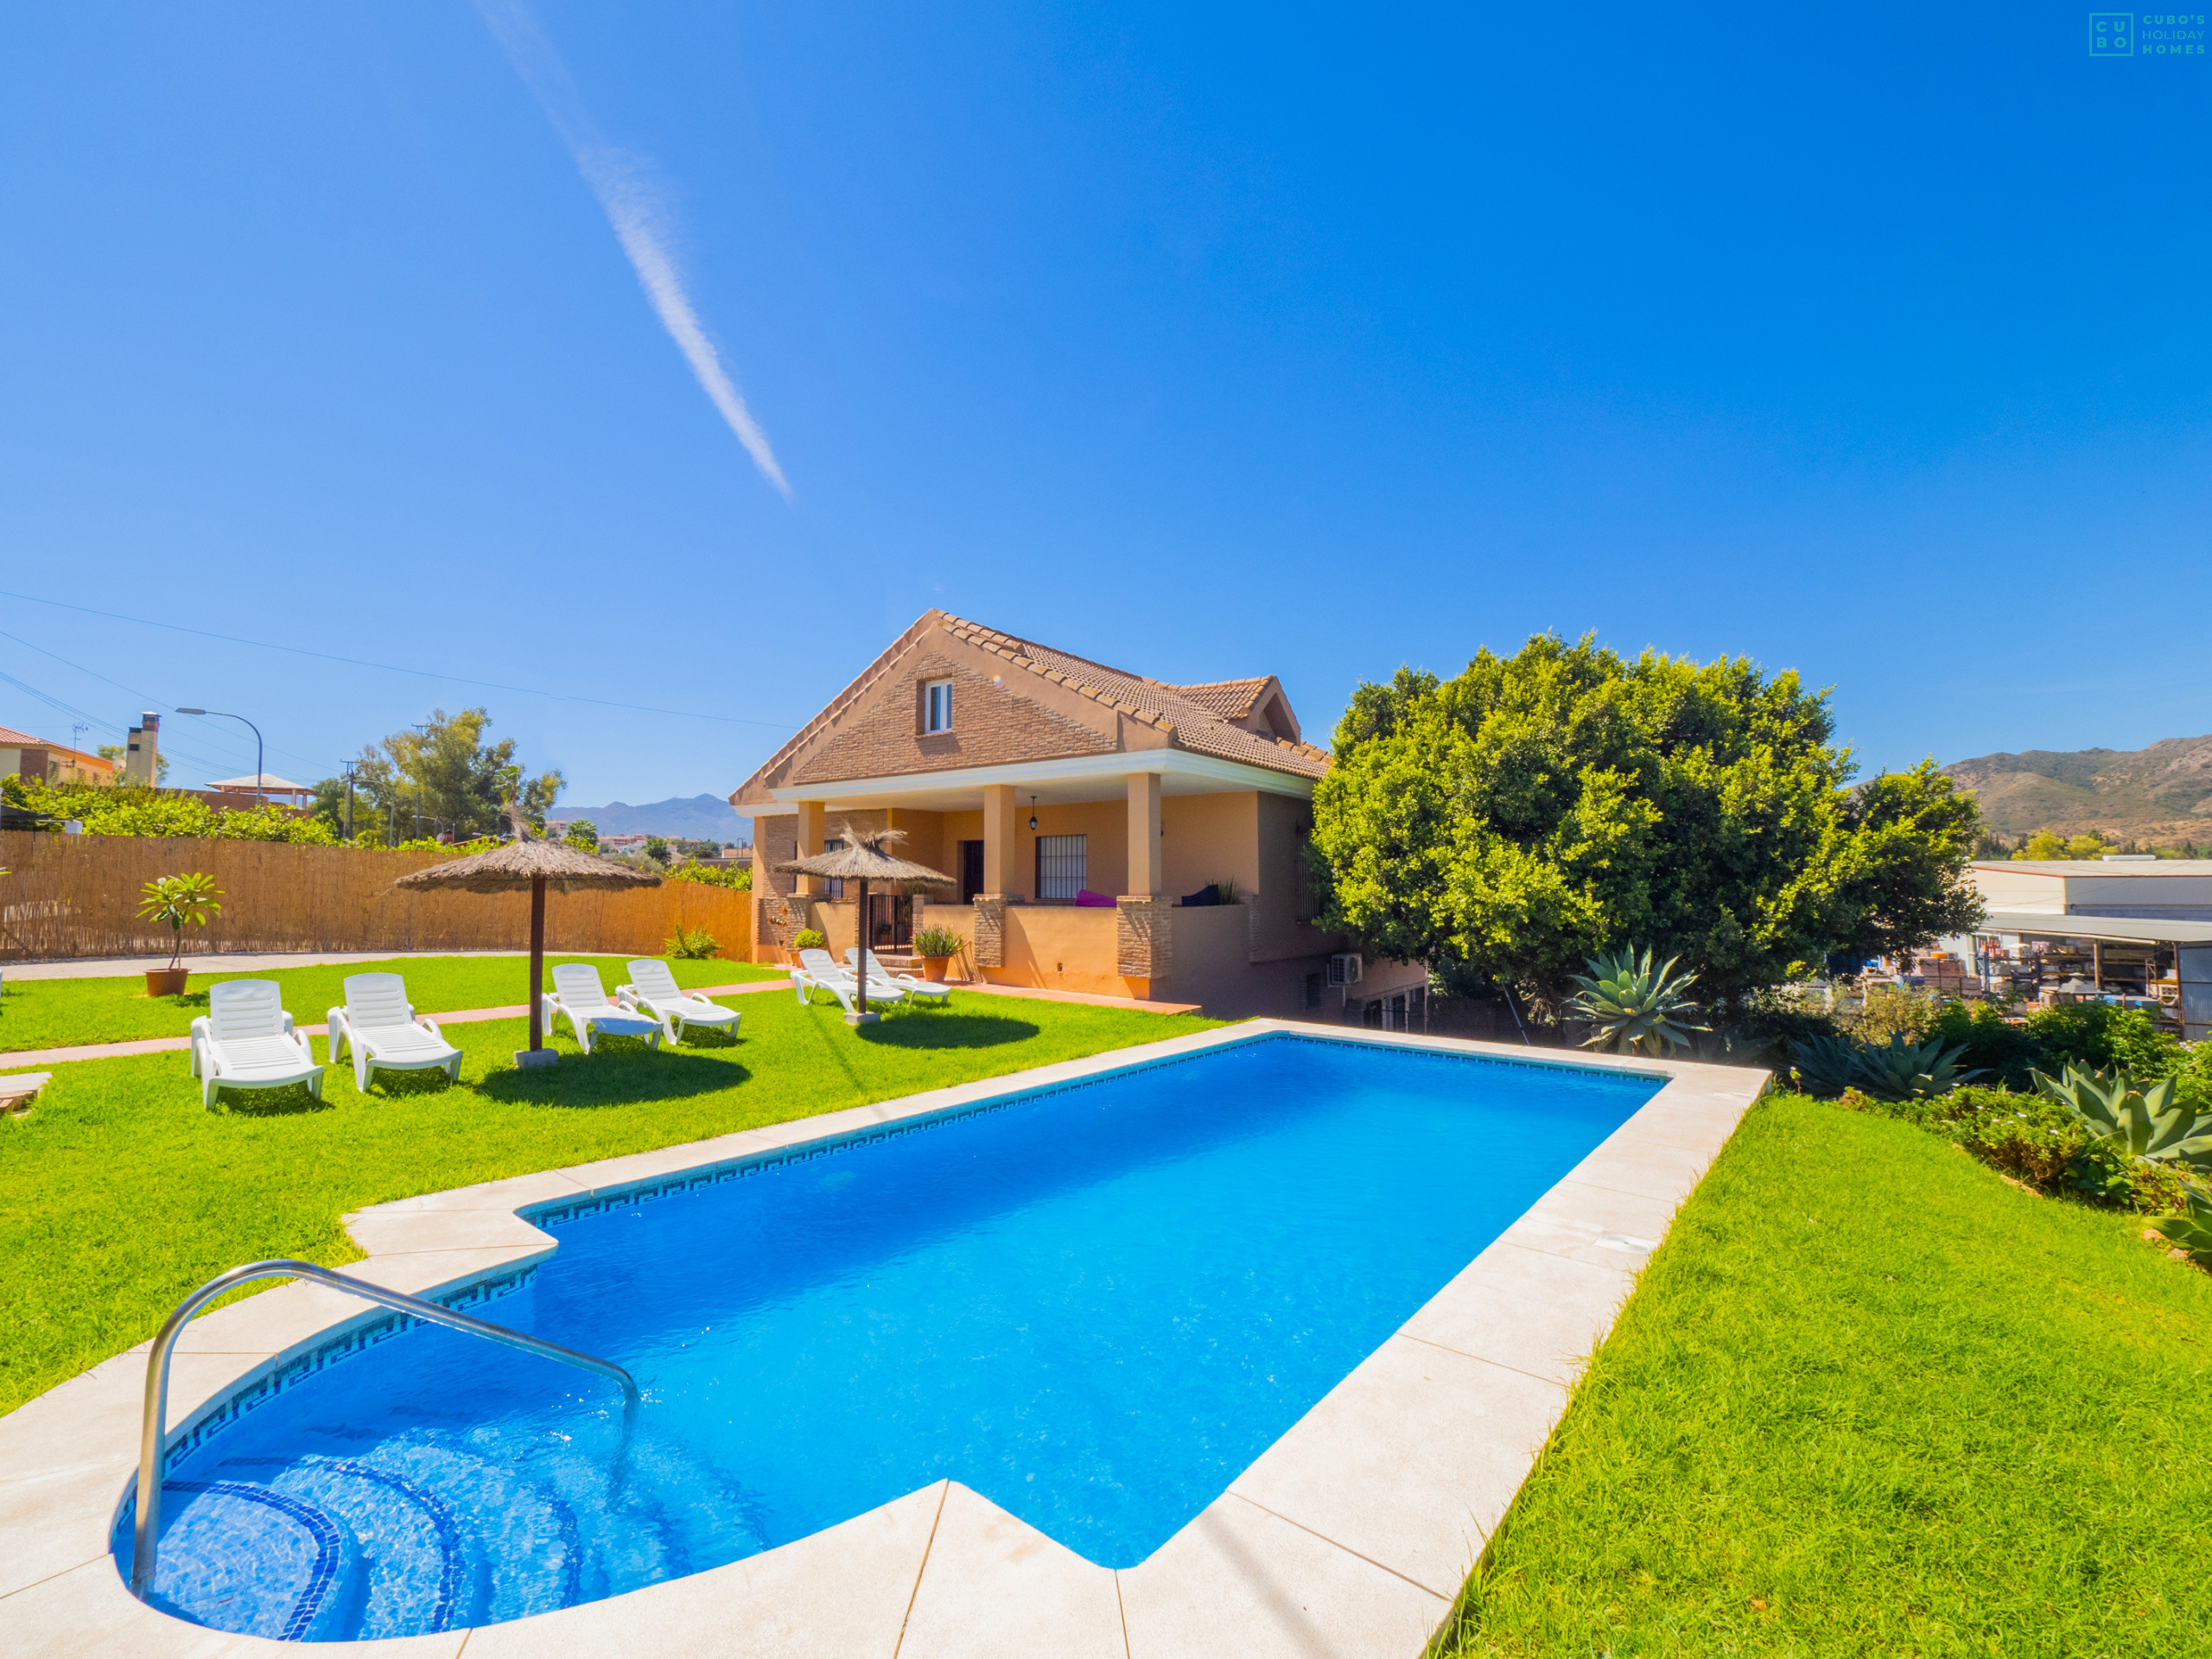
column 559, row 1212
column 353, row 1344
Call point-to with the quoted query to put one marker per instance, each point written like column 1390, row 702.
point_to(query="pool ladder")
column 157, row 1374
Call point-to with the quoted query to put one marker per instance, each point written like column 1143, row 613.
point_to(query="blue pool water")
column 1095, row 1307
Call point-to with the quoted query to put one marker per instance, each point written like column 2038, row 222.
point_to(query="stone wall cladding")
column 775, row 840
column 1143, row 938
column 992, row 725
column 989, row 946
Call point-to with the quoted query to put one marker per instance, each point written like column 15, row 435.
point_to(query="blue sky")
column 1209, row 342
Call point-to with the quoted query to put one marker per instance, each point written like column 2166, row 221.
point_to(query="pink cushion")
column 1088, row 900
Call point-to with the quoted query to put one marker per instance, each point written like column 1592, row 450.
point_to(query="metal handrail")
column 151, row 1446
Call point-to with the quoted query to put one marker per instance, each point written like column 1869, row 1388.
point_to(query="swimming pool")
column 1095, row 1306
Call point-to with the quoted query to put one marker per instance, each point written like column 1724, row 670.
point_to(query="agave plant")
column 1631, row 1006
column 2191, row 1230
column 2140, row 1121
column 1826, row 1066
column 1902, row 1070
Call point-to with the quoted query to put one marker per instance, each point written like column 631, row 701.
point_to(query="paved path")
column 243, row 962
column 461, row 1017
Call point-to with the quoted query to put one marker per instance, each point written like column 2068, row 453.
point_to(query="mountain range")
column 693, row 818
column 2165, row 789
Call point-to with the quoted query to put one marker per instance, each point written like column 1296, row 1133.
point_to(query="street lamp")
column 260, row 771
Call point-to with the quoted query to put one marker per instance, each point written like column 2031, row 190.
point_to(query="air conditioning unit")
column 1345, row 968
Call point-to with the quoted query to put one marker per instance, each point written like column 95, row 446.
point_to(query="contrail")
column 636, row 209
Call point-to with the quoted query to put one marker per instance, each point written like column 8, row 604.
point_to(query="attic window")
column 937, row 706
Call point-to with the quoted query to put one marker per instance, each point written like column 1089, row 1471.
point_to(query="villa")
column 1106, row 833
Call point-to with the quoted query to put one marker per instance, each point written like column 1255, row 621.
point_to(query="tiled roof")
column 14, row 740
column 1230, row 699
column 1196, row 727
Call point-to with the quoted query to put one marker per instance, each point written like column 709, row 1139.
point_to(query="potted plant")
column 174, row 901
column 807, row 938
column 935, row 946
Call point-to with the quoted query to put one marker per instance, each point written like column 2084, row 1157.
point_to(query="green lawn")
column 1869, row 1398
column 119, row 1192
column 56, row 1013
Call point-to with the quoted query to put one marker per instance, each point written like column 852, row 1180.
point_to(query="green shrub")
column 808, row 939
column 708, row 875
column 691, row 943
column 1894, row 1010
column 2004, row 1052
column 130, row 809
column 938, row 942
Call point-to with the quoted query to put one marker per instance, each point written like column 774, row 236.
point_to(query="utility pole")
column 349, row 800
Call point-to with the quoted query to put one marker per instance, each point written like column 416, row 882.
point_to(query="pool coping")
column 1349, row 1535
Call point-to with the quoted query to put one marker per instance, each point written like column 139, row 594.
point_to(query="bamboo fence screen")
column 68, row 896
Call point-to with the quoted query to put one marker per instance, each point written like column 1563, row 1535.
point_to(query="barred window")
column 1061, row 866
column 833, row 886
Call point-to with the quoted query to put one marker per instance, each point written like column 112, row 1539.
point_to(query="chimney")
column 141, row 758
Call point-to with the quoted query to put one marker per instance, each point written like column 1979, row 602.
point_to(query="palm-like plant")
column 173, row 900
column 1902, row 1069
column 2191, row 1230
column 2142, row 1122
column 1632, row 1006
column 1826, row 1066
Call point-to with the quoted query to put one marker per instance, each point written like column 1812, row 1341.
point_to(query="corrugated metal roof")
column 2086, row 866
column 2050, row 924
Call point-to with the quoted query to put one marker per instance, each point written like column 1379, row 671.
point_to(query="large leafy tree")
column 443, row 776
column 1504, row 826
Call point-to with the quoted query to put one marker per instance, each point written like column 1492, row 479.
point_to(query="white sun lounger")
column 246, row 1041
column 878, row 976
column 378, row 1023
column 818, row 969
column 653, row 988
column 578, row 994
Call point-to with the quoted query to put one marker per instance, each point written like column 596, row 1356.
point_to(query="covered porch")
column 1070, row 873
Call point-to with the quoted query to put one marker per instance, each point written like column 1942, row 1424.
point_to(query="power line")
column 143, row 696
column 104, row 725
column 394, row 668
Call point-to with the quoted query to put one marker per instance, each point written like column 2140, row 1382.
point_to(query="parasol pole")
column 536, row 962
column 863, row 932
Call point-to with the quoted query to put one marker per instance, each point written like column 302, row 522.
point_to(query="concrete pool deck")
column 1351, row 1536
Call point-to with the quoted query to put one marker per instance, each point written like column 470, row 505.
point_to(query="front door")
column 971, row 870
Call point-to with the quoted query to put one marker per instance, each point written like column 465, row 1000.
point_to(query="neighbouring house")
column 1105, row 832
column 266, row 786
column 630, row 844
column 23, row 755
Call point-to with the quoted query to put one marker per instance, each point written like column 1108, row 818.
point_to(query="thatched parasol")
column 535, row 865
column 862, row 859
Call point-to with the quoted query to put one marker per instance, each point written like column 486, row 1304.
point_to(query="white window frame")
column 935, row 695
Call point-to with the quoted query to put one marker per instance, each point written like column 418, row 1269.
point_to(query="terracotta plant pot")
column 166, row 981
column 933, row 968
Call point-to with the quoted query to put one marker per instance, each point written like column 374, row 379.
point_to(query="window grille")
column 937, row 706
column 833, row 886
column 1061, row 866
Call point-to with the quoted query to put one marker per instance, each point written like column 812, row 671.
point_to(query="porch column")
column 1001, row 841
column 810, row 842
column 1144, row 836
